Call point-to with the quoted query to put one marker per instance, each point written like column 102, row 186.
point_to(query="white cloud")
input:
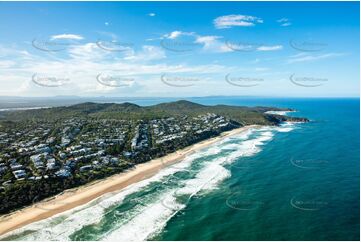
column 269, row 48
column 147, row 53
column 151, row 14
column 207, row 39
column 303, row 57
column 209, row 43
column 252, row 47
column 6, row 63
column 175, row 34
column 229, row 21
column 82, row 64
column 212, row 44
column 89, row 51
column 284, row 22
column 67, row 36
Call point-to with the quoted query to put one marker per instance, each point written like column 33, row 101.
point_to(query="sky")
column 167, row 49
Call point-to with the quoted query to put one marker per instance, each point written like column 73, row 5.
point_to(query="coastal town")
column 46, row 151
column 77, row 147
column 138, row 121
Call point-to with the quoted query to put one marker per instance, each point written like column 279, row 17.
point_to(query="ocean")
column 299, row 181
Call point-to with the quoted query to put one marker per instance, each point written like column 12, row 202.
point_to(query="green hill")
column 241, row 114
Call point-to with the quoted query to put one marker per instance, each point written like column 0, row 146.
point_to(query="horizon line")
column 176, row 97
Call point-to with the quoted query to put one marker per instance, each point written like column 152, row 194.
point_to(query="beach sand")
column 81, row 195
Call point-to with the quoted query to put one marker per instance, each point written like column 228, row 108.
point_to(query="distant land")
column 19, row 102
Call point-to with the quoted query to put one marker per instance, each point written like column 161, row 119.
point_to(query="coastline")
column 75, row 197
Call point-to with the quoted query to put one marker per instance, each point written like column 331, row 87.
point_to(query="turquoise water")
column 294, row 182
column 327, row 179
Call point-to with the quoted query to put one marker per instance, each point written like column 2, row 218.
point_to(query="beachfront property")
column 76, row 146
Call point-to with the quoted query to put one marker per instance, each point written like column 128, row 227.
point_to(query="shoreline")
column 82, row 195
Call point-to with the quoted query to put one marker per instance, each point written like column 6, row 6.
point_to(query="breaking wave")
column 158, row 198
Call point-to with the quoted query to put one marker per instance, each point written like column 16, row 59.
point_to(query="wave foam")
column 152, row 218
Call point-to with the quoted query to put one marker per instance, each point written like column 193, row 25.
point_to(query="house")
column 85, row 168
column 62, row 155
column 63, row 173
column 114, row 160
column 3, row 168
column 16, row 166
column 79, row 158
column 65, row 141
column 36, row 159
column 51, row 164
column 70, row 163
column 19, row 174
column 127, row 154
column 45, row 149
column 50, row 140
column 12, row 161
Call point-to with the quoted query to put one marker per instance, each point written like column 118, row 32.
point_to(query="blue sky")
column 155, row 49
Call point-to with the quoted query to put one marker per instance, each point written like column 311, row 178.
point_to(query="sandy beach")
column 79, row 196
